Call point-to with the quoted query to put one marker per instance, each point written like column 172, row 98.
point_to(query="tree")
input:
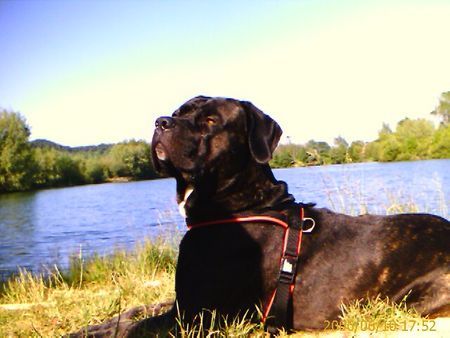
column 390, row 150
column 281, row 159
column 289, row 155
column 443, row 108
column 46, row 173
column 356, row 151
column 69, row 170
column 318, row 152
column 338, row 153
column 415, row 137
column 372, row 151
column 16, row 157
column 131, row 159
column 95, row 170
column 385, row 132
column 57, row 168
column 440, row 145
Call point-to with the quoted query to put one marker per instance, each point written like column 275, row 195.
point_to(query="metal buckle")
column 311, row 228
column 288, row 269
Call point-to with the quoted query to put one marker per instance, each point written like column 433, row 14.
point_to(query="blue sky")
column 87, row 72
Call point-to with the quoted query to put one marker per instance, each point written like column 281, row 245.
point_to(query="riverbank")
column 275, row 164
column 97, row 288
column 92, row 290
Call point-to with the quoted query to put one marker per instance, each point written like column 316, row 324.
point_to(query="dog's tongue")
column 160, row 153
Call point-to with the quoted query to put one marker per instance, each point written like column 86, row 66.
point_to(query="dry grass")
column 210, row 324
column 98, row 288
column 92, row 291
column 349, row 198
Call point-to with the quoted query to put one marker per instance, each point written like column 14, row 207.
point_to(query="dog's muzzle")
column 160, row 152
column 162, row 124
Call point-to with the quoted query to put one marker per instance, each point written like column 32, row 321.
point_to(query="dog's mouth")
column 161, row 153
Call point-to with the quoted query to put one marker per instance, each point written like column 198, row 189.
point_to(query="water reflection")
column 48, row 226
column 17, row 228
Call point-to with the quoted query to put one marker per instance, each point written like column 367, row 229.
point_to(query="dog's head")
column 212, row 137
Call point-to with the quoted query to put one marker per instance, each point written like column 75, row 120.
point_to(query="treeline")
column 26, row 165
column 411, row 140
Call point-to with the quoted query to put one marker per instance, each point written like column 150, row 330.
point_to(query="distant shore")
column 30, row 165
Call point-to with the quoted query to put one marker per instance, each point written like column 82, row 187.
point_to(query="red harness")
column 292, row 240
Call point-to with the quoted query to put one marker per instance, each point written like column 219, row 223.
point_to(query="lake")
column 46, row 227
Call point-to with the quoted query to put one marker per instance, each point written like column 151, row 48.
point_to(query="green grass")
column 210, row 324
column 377, row 314
column 100, row 287
column 93, row 290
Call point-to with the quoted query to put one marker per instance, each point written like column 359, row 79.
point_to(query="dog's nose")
column 164, row 122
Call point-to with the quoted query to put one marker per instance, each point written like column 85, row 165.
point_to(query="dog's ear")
column 263, row 133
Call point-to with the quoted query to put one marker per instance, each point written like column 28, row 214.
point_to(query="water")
column 46, row 227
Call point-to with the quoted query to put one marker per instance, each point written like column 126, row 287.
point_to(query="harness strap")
column 244, row 219
column 279, row 310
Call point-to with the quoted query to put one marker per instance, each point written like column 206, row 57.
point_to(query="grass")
column 93, row 290
column 210, row 324
column 349, row 198
column 98, row 288
column 377, row 314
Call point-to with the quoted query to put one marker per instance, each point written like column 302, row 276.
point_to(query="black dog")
column 218, row 150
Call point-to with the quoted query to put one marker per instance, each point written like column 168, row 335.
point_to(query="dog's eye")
column 210, row 121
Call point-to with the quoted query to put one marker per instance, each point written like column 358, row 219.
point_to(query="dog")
column 218, row 150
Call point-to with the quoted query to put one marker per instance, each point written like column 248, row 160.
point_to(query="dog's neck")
column 251, row 190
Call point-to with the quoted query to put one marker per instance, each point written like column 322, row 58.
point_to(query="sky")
column 89, row 72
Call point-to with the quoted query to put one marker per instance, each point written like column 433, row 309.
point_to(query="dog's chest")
column 228, row 266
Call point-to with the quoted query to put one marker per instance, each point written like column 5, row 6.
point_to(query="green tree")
column 57, row 168
column 16, row 158
column 69, row 170
column 443, row 108
column 131, row 159
column 385, row 132
column 47, row 173
column 440, row 144
column 386, row 148
column 372, row 151
column 415, row 137
column 356, row 151
column 95, row 170
column 289, row 155
column 390, row 149
column 282, row 159
column 338, row 153
column 318, row 152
